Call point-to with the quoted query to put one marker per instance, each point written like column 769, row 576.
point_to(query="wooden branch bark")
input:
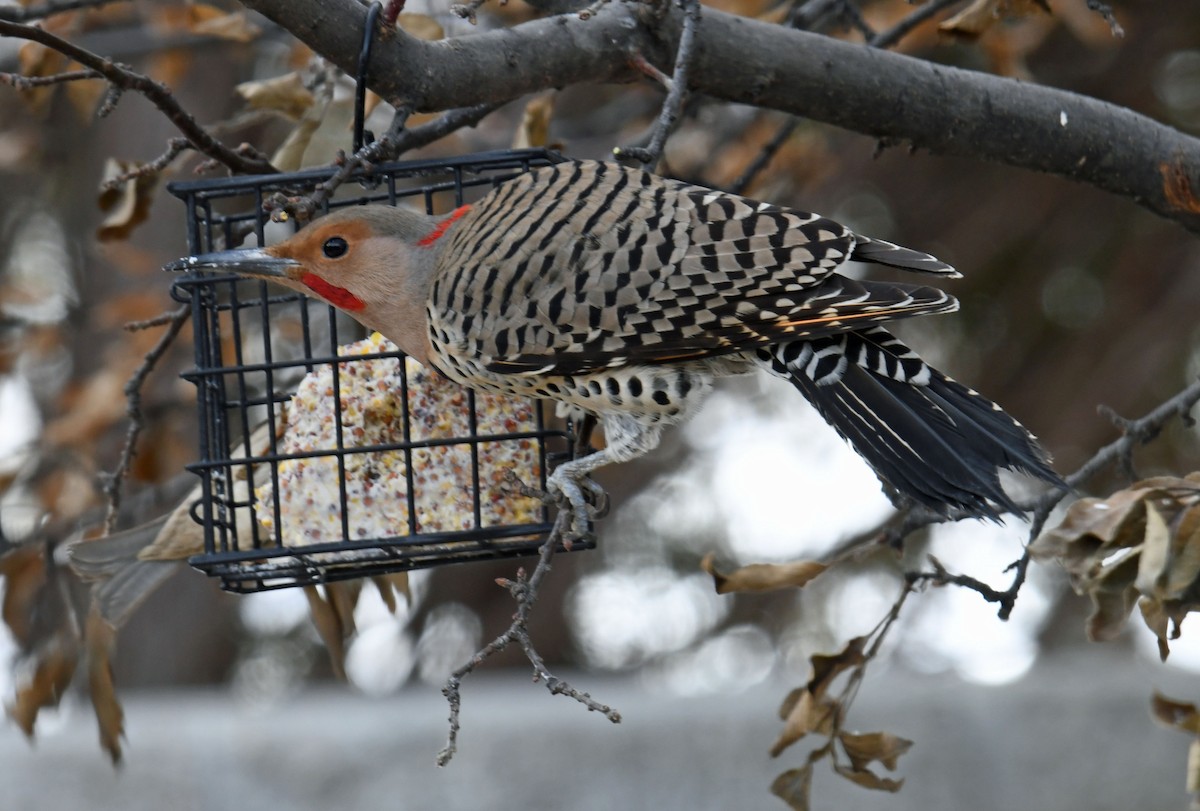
column 945, row 110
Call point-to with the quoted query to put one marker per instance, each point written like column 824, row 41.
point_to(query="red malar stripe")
column 437, row 233
column 337, row 296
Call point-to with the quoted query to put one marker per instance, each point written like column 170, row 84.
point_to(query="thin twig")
column 850, row 13
column 879, row 634
column 1120, row 451
column 667, row 118
column 525, row 591
column 644, row 66
column 806, row 20
column 16, row 14
column 175, row 320
column 396, row 141
column 175, row 146
column 28, row 82
column 157, row 93
column 467, row 10
column 888, row 38
column 764, row 156
column 806, row 15
column 1105, row 11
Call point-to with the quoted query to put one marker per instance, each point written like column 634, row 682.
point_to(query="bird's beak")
column 245, row 262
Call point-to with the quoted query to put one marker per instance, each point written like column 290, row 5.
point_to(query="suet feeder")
column 325, row 454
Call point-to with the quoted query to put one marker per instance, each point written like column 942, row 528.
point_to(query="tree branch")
column 677, row 89
column 158, row 94
column 884, row 95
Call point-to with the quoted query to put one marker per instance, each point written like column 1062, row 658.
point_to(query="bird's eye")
column 334, row 247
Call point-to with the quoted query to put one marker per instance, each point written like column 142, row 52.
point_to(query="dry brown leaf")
column 233, row 26
column 1155, row 558
column 35, row 60
column 24, row 573
column 90, row 408
column 333, row 615
column 1185, row 563
column 1113, row 596
column 128, row 205
column 868, row 779
column 420, row 26
column 290, row 155
column 51, row 676
column 1175, row 714
column 981, row 15
column 827, row 667
column 535, row 123
column 871, row 746
column 809, row 713
column 1141, row 545
column 110, row 717
column 762, row 576
column 1159, row 620
column 285, row 95
column 793, row 787
column 389, row 584
column 329, row 627
column 1093, row 524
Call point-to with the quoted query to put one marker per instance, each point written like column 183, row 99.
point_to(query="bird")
column 625, row 295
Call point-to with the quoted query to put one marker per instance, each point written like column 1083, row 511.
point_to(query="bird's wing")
column 586, row 266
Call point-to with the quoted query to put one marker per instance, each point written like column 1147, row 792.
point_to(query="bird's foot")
column 577, row 494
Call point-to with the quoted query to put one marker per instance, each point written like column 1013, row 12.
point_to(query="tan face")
column 329, row 259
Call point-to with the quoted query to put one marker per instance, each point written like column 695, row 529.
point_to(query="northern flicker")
column 626, row 295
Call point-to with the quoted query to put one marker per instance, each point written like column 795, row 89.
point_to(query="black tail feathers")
column 929, row 438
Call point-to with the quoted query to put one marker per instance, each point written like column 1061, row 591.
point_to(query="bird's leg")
column 625, row 439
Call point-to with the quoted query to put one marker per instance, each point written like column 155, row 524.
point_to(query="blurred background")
column 1071, row 298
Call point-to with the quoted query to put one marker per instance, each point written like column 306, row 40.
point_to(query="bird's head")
column 375, row 263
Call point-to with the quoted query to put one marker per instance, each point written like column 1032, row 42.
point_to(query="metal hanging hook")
column 362, row 136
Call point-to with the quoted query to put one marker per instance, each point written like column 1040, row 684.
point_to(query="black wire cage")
column 325, row 454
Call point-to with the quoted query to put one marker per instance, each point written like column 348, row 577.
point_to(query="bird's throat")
column 339, row 297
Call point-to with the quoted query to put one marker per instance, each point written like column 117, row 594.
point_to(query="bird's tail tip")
column 931, row 440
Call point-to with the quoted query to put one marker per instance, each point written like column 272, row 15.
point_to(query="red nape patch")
column 337, row 296
column 437, row 233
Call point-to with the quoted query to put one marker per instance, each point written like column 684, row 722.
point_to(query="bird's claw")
column 585, row 500
column 569, row 492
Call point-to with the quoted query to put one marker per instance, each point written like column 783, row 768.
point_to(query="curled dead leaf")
column 234, row 26
column 51, row 675
column 827, row 667
column 24, row 574
column 1139, row 546
column 981, row 15
column 762, row 576
column 128, row 204
column 807, row 713
column 808, row 709
column 868, row 779
column 1175, row 714
column 793, row 787
column 285, row 95
column 535, row 123
column 871, row 746
column 110, row 717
